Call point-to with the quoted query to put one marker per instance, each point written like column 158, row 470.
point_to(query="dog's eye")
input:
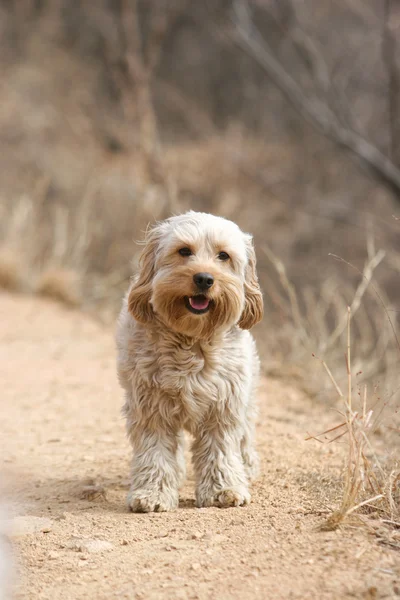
column 185, row 251
column 223, row 256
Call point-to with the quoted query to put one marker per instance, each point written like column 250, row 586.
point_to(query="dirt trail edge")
column 66, row 466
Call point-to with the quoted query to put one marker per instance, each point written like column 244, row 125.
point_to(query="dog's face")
column 197, row 273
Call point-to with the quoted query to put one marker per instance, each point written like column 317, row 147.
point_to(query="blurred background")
column 283, row 115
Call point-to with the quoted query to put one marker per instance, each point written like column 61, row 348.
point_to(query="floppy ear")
column 140, row 293
column 253, row 305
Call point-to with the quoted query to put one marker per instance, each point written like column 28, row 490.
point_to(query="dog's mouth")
column 198, row 305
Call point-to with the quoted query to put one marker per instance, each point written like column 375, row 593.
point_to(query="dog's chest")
column 199, row 377
column 191, row 375
column 184, row 368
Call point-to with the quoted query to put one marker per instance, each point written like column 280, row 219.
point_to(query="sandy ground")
column 66, row 466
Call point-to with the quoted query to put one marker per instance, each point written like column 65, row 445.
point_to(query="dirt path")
column 66, row 459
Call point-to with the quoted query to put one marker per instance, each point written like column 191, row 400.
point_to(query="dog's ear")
column 140, row 293
column 253, row 305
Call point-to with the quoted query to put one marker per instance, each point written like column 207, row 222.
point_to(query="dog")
column 187, row 361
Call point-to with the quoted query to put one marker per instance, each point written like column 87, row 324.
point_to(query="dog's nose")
column 203, row 280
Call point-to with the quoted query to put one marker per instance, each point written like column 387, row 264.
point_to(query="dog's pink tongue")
column 199, row 302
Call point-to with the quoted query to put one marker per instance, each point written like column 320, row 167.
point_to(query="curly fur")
column 194, row 372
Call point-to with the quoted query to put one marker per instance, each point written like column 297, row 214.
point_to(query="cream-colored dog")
column 187, row 362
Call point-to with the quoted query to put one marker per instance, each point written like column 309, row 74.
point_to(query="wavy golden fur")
column 186, row 362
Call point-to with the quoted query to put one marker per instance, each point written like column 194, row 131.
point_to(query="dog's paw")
column 225, row 498
column 148, row 500
column 232, row 497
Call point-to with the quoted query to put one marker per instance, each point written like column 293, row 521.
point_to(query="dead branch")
column 311, row 108
column 355, row 305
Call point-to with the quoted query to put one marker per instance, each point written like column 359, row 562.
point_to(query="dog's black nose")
column 203, row 280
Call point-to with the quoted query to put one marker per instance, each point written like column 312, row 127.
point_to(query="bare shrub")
column 368, row 484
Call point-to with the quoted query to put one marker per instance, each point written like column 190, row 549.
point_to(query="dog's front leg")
column 220, row 475
column 155, row 470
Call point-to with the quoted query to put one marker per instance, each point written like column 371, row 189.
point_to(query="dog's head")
column 197, row 272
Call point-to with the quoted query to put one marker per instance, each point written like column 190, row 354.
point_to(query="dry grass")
column 371, row 477
column 368, row 484
column 44, row 252
column 62, row 285
column 11, row 271
column 315, row 324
